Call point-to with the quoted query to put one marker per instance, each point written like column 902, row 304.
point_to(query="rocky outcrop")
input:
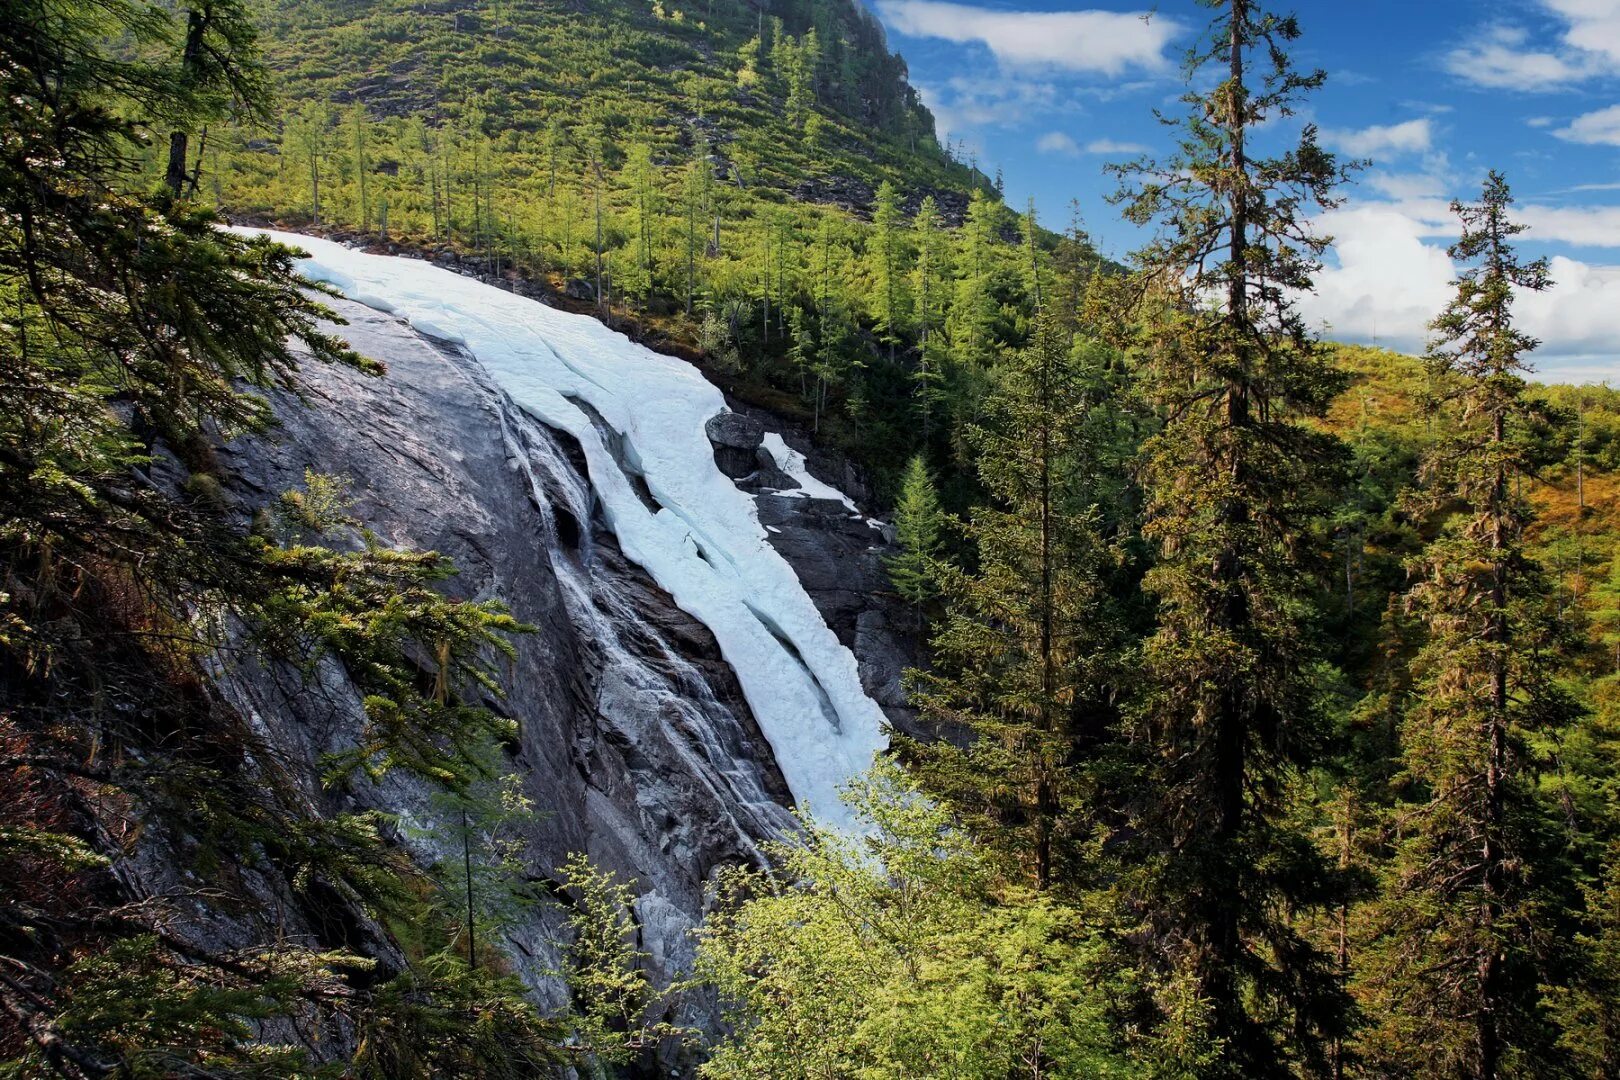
column 635, row 740
column 738, row 453
column 837, row 554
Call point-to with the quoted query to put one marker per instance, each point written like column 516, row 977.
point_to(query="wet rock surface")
column 636, row 743
column 839, row 556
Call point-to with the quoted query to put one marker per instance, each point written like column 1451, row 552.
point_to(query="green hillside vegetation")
column 760, row 187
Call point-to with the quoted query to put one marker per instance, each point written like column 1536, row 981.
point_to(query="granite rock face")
column 838, row 555
column 635, row 741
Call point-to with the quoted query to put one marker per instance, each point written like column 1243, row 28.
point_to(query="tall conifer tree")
column 1022, row 656
column 918, row 521
column 887, row 255
column 220, row 69
column 1233, row 483
column 1461, row 963
column 973, row 307
column 929, row 276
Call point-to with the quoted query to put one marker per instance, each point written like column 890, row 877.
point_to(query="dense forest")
column 1283, row 676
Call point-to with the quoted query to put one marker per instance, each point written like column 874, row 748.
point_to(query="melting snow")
column 701, row 540
column 791, row 462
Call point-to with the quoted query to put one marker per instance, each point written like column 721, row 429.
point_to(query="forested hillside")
column 1280, row 678
column 761, row 185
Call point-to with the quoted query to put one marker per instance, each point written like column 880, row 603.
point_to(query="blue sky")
column 1434, row 92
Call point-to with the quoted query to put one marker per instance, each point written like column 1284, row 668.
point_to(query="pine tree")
column 1461, row 963
column 834, row 357
column 918, row 521
column 1032, row 267
column 1229, row 715
column 697, row 196
column 887, row 256
column 1074, row 263
column 1588, row 1011
column 639, row 278
column 929, row 276
column 974, row 309
column 308, row 133
column 1022, row 656
column 358, row 125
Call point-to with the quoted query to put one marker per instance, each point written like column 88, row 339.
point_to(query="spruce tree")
column 1229, row 715
column 308, row 134
column 918, row 521
column 1461, row 959
column 974, row 309
column 1022, row 656
column 887, row 256
column 358, row 125
column 639, row 276
column 929, row 277
column 220, row 72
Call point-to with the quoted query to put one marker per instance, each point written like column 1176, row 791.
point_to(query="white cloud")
column 1501, row 56
column 1387, row 282
column 1540, row 122
column 1055, row 142
column 1390, row 275
column 1500, row 59
column 1424, row 185
column 1594, row 25
column 1113, row 146
column 1581, row 226
column 1600, row 127
column 1098, row 42
column 1414, row 136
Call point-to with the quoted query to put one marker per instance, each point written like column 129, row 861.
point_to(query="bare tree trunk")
column 174, row 177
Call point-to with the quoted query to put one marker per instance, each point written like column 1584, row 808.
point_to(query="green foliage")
column 377, row 611
column 1024, row 656
column 444, row 1018
column 918, row 522
column 1462, row 957
column 132, row 319
column 671, row 166
column 613, row 1003
column 1235, row 480
column 894, row 955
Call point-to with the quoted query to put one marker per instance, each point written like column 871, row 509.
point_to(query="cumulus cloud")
column 1500, row 59
column 1096, row 42
column 1381, row 140
column 1594, row 25
column 1386, row 282
column 1055, row 142
column 1601, row 127
column 1390, row 274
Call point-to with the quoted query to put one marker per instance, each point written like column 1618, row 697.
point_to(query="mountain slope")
column 802, row 92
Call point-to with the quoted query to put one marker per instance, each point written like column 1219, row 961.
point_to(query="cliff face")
column 637, row 743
